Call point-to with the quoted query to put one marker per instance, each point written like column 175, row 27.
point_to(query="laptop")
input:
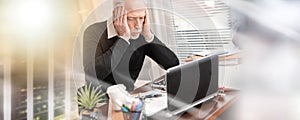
column 191, row 84
column 187, row 85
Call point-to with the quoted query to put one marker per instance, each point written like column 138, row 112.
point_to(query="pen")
column 133, row 106
column 125, row 108
column 138, row 106
column 153, row 95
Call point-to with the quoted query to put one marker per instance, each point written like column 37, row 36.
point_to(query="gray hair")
column 117, row 3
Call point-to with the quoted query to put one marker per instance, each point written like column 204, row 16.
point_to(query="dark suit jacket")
column 114, row 61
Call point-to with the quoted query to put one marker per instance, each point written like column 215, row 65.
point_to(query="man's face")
column 135, row 21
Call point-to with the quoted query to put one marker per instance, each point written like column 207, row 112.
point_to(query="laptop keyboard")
column 159, row 84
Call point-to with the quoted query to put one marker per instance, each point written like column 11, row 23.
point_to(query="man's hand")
column 146, row 28
column 120, row 22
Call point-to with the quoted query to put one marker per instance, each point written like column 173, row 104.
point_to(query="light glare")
column 33, row 14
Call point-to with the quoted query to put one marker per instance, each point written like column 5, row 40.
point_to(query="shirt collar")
column 111, row 31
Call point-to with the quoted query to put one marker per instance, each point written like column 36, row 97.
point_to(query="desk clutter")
column 159, row 84
column 136, row 106
column 133, row 112
column 119, row 96
column 155, row 101
column 132, row 107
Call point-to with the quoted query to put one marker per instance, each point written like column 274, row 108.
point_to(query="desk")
column 209, row 110
column 221, row 58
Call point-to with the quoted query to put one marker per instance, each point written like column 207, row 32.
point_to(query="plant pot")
column 90, row 114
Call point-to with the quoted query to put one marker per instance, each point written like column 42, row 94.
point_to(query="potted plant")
column 88, row 97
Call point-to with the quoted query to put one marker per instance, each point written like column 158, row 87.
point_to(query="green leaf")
column 88, row 96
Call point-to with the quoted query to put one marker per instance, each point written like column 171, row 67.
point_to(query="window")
column 200, row 25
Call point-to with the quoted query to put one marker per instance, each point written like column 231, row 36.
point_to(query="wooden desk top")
column 227, row 57
column 209, row 110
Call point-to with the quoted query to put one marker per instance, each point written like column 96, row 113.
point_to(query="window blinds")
column 200, row 25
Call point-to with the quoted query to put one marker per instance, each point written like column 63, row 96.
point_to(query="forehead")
column 137, row 13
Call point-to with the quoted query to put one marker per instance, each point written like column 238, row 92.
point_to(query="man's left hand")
column 146, row 28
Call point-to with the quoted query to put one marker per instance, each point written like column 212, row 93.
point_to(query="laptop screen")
column 191, row 82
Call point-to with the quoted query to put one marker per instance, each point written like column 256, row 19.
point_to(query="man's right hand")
column 120, row 22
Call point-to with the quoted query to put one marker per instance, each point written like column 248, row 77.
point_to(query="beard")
column 135, row 33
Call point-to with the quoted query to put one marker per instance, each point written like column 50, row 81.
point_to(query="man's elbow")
column 175, row 62
column 172, row 63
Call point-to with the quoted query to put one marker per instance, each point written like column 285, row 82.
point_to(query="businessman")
column 114, row 50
